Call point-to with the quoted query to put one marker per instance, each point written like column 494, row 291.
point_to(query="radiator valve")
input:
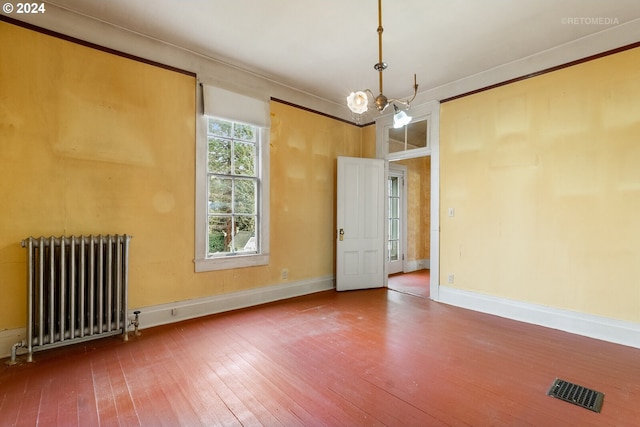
column 14, row 350
column 136, row 322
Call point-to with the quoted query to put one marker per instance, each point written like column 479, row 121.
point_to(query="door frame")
column 432, row 109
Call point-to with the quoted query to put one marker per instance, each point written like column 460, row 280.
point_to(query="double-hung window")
column 232, row 209
column 233, row 183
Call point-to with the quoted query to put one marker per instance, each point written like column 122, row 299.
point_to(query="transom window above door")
column 411, row 140
column 409, row 137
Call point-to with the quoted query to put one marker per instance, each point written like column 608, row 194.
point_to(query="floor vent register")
column 576, row 394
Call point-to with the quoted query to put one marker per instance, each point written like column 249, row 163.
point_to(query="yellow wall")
column 304, row 148
column 369, row 141
column 92, row 143
column 544, row 176
column 96, row 143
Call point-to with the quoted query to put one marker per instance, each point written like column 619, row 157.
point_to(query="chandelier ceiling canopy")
column 358, row 102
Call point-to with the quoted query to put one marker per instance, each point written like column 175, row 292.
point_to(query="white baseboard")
column 189, row 309
column 602, row 328
column 182, row 310
column 415, row 265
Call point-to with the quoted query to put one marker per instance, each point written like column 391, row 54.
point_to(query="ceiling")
column 327, row 48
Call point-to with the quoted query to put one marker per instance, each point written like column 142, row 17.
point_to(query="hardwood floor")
column 362, row 358
column 415, row 283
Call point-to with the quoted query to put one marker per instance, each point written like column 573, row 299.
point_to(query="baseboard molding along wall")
column 183, row 310
column 602, row 328
column 415, row 265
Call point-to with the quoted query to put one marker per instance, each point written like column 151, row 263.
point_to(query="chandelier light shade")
column 358, row 102
column 400, row 118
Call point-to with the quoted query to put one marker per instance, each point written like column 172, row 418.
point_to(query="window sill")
column 227, row 263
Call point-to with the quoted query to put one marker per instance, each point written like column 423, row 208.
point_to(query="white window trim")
column 202, row 262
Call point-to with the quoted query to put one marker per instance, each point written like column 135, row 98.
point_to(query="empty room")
column 282, row 213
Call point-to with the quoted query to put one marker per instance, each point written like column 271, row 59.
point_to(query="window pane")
column 393, row 250
column 244, row 158
column 220, row 234
column 219, row 156
column 220, row 127
column 245, row 202
column 396, row 140
column 223, row 240
column 394, row 211
column 219, row 195
column 245, row 132
column 394, row 228
column 245, row 238
column 393, row 185
column 414, row 137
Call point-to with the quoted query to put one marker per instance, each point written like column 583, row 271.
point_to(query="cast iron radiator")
column 76, row 290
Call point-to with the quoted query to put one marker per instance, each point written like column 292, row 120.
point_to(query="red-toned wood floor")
column 415, row 283
column 363, row 358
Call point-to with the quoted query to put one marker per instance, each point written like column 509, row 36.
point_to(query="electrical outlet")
column 450, row 279
column 284, row 274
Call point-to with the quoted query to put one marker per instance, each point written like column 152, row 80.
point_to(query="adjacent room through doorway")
column 416, row 283
column 409, row 226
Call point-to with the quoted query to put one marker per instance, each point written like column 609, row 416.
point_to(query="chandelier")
column 358, row 102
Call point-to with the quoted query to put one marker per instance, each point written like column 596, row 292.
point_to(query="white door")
column 397, row 227
column 360, row 220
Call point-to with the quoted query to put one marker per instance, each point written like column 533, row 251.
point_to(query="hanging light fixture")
column 400, row 118
column 358, row 102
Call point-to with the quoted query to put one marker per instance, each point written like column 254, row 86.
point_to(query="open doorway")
column 417, row 146
column 409, row 225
